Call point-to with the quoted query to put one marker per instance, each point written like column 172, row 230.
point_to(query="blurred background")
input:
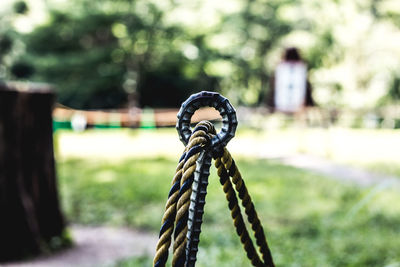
column 121, row 69
column 113, row 54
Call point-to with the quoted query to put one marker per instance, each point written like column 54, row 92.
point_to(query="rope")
column 226, row 167
column 176, row 209
column 181, row 197
column 198, row 196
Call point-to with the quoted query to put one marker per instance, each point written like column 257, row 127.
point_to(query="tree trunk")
column 30, row 218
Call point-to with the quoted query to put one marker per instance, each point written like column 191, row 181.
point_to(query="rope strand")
column 236, row 214
column 248, row 205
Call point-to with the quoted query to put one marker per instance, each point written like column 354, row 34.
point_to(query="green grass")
column 382, row 167
column 309, row 220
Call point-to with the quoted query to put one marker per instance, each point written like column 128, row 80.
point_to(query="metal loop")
column 211, row 99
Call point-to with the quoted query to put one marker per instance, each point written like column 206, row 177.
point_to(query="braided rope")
column 182, row 211
column 176, row 209
column 184, row 202
column 248, row 205
column 168, row 219
column 236, row 214
column 196, row 144
column 198, row 197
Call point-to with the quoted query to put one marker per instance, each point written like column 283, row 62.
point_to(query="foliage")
column 388, row 168
column 20, row 7
column 394, row 91
column 9, row 42
column 109, row 54
column 98, row 57
column 309, row 220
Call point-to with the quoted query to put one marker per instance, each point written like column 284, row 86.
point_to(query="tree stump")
column 31, row 221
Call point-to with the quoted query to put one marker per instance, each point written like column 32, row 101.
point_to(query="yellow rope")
column 248, row 205
column 236, row 214
column 178, row 205
column 176, row 210
column 164, row 241
column 183, row 208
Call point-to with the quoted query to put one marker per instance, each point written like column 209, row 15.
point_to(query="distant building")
column 291, row 91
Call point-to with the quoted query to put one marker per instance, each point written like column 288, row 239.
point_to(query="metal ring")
column 211, row 99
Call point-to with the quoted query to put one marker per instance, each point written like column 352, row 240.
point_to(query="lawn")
column 375, row 149
column 309, row 220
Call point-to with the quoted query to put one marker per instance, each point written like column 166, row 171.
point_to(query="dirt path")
column 97, row 246
column 338, row 171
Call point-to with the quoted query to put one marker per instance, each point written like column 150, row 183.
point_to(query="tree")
column 97, row 57
column 103, row 53
column 31, row 221
column 10, row 65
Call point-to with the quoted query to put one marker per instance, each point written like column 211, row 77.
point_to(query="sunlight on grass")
column 308, row 218
column 376, row 150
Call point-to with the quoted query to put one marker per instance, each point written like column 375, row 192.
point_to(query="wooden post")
column 30, row 218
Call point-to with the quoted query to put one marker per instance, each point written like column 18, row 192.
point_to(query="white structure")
column 290, row 86
column 78, row 122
